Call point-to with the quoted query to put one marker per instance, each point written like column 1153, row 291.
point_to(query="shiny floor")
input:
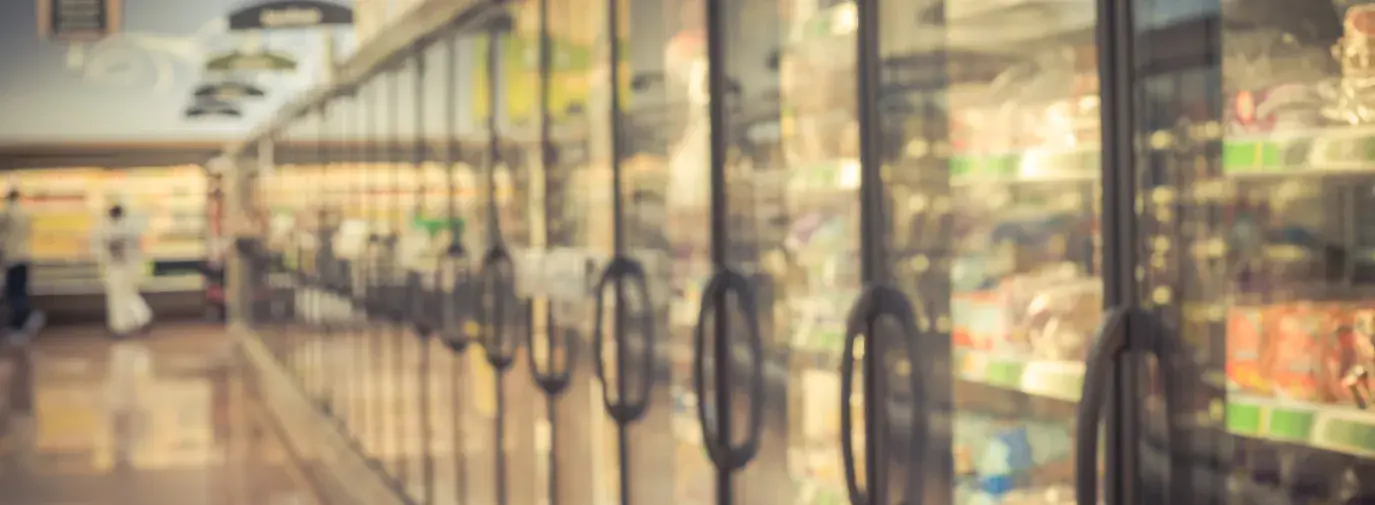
column 206, row 443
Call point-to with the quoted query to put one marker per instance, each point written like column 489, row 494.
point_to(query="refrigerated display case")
column 882, row 252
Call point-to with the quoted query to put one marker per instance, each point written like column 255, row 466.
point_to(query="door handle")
column 372, row 295
column 722, row 453
column 553, row 380
column 1109, row 343
column 863, row 306
column 625, row 410
column 497, row 285
column 875, row 303
column 418, row 305
column 457, row 304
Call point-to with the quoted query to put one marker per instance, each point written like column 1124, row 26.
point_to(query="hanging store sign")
column 290, row 14
column 250, row 62
column 212, row 108
column 79, row 20
column 228, row 91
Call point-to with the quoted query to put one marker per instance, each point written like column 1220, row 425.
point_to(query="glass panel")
column 374, row 122
column 567, row 198
column 773, row 206
column 990, row 168
column 648, row 367
column 441, row 220
column 794, row 231
column 516, row 163
column 1253, row 184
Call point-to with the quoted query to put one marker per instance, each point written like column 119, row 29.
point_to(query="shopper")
column 15, row 228
column 117, row 248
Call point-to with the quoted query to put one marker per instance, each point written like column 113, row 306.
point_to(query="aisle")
column 206, row 442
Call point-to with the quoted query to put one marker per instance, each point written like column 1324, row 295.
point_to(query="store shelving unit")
column 67, row 206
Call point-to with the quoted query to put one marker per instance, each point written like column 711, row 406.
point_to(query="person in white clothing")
column 117, row 250
column 128, row 318
column 15, row 228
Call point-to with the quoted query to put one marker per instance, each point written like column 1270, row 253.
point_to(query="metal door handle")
column 721, row 452
column 419, row 304
column 1109, row 343
column 858, row 314
column 625, row 410
column 554, row 380
column 496, row 279
column 875, row 303
column 453, row 333
column 1174, row 366
column 373, row 273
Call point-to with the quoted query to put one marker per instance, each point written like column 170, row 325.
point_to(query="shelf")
column 91, row 286
column 1340, row 429
column 1061, row 380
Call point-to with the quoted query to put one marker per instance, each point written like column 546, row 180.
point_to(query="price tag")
column 566, row 276
column 531, row 277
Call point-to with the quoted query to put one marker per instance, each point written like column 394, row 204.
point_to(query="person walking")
column 128, row 318
column 15, row 230
column 117, row 251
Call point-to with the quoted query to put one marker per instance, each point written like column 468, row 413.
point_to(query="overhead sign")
column 79, row 20
column 290, row 14
column 213, row 108
column 228, row 91
column 251, row 62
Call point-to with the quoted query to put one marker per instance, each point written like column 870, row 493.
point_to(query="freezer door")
column 1255, row 253
column 980, row 125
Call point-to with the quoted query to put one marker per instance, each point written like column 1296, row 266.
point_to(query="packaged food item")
column 976, row 317
column 1061, row 320
column 1036, row 302
column 1353, row 360
column 1355, row 100
column 1245, row 345
column 1299, row 343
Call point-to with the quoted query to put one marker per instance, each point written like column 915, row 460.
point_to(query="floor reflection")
column 206, row 442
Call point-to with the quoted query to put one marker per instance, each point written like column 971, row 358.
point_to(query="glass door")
column 1255, row 182
column 642, row 342
column 561, row 257
column 926, row 282
column 779, row 235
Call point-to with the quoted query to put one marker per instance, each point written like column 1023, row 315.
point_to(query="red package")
column 1297, row 356
column 1245, row 346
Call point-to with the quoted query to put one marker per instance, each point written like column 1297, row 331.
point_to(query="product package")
column 1245, row 344
column 1295, row 361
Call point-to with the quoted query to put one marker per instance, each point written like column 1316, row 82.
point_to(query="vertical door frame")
column 1115, row 36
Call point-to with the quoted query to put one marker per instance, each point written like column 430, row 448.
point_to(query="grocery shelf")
column 1341, row 429
column 92, row 286
column 1061, row 380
